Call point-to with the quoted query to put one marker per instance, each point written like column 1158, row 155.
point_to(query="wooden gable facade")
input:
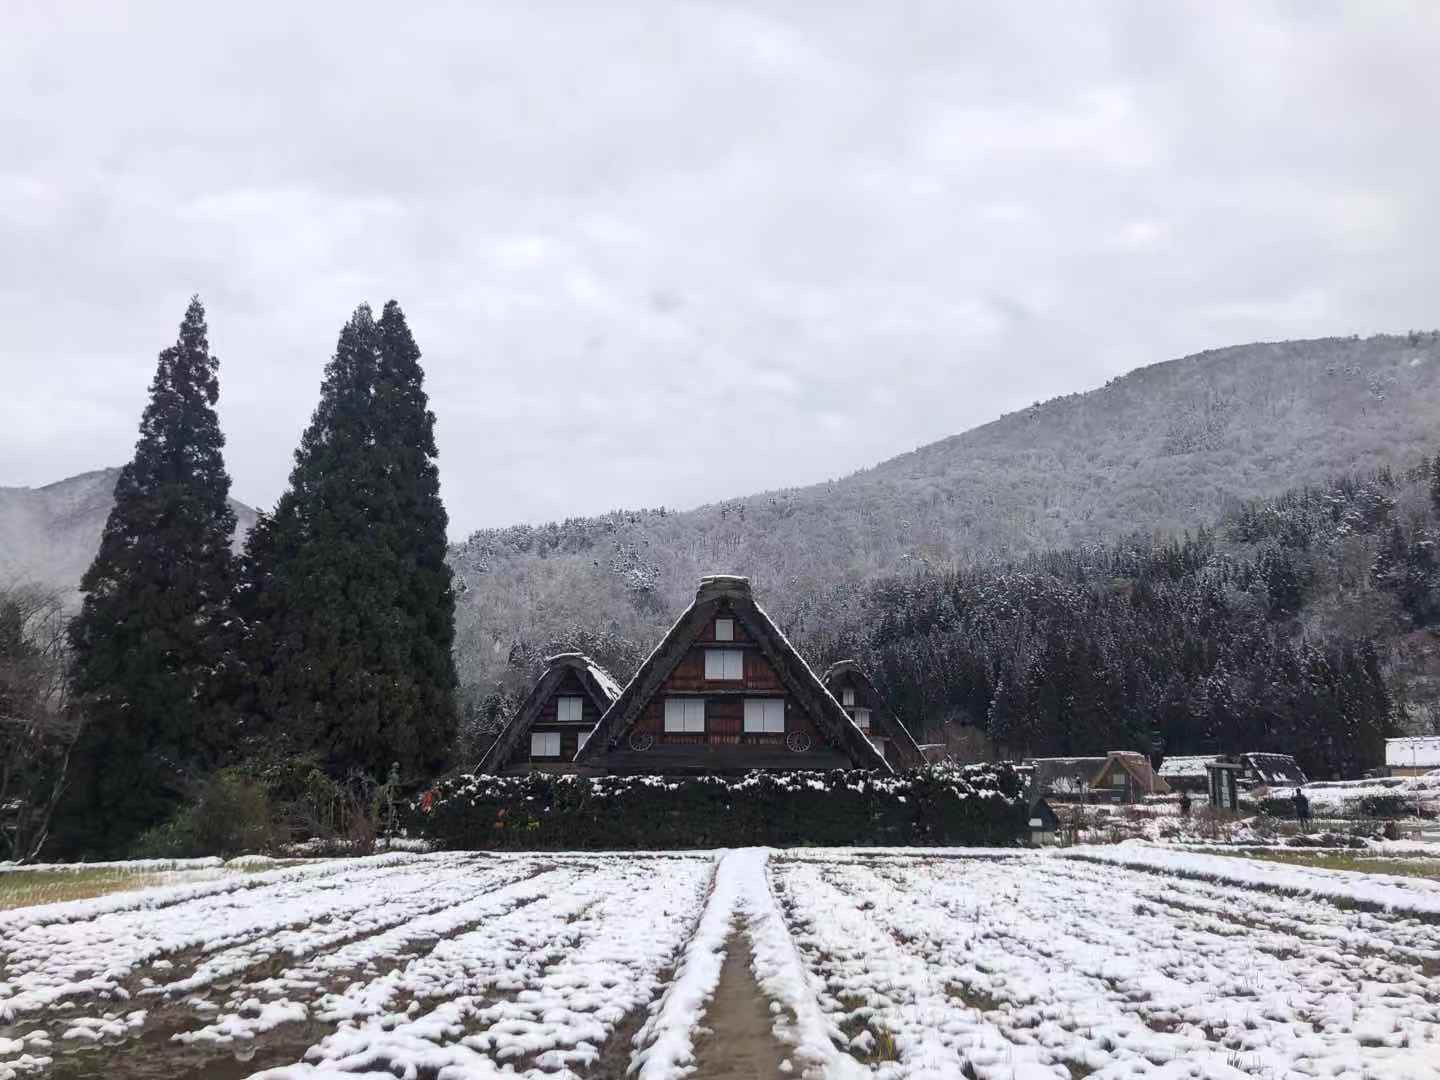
column 726, row 692
column 862, row 702
column 1126, row 777
column 555, row 719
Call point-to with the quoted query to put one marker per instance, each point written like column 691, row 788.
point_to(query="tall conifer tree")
column 156, row 617
column 405, row 431
column 346, row 593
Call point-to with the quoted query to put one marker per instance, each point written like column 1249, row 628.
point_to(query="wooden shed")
column 1044, row 824
column 1224, row 783
column 863, row 703
column 555, row 719
column 726, row 692
column 1185, row 772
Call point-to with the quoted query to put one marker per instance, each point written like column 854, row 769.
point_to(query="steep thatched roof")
column 1138, row 766
column 909, row 755
column 1185, row 766
column 598, row 683
column 797, row 676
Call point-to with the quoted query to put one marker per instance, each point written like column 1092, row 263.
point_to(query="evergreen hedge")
column 937, row 805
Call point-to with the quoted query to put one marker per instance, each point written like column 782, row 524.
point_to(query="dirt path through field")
column 741, row 1044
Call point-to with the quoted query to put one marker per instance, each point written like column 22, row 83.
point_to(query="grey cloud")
column 666, row 253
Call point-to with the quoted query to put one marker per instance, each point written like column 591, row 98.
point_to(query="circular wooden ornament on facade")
column 641, row 740
column 798, row 741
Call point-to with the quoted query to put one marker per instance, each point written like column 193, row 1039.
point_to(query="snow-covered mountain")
column 1166, row 448
column 49, row 535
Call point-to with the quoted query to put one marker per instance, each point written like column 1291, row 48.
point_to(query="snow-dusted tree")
column 156, row 616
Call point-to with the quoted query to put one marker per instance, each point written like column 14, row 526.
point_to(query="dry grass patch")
column 30, row 888
column 1353, row 861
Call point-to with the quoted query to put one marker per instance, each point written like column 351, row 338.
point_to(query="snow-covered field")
column 1107, row 962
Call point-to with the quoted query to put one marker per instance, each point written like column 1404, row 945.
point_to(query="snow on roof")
column 1138, row 766
column 1275, row 768
column 1422, row 751
column 605, row 681
column 1185, row 765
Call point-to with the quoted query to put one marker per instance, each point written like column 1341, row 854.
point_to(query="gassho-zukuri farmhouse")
column 724, row 692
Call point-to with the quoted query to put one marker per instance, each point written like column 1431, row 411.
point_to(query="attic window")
column 685, row 715
column 545, row 744
column 847, row 698
column 862, row 718
column 765, row 716
column 724, row 664
column 568, row 710
column 724, row 629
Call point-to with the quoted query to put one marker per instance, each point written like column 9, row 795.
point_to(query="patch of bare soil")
column 154, row 1057
column 738, row 1042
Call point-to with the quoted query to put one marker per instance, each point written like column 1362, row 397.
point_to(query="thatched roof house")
column 555, row 718
column 863, row 703
column 725, row 691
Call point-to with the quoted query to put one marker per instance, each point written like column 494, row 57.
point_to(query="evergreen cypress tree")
column 346, row 594
column 156, row 617
column 406, row 428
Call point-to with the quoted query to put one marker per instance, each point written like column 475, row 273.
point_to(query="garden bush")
column 1386, row 806
column 1280, row 806
column 232, row 815
column 937, row 805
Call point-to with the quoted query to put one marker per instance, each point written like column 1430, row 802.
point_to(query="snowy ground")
column 1124, row 961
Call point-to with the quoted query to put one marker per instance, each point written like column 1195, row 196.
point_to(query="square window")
column 847, row 698
column 765, row 716
column 685, row 715
column 568, row 710
column 862, row 719
column 726, row 664
column 545, row 744
column 724, row 629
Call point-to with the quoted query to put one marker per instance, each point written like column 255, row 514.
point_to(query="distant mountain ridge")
column 1165, row 448
column 49, row 535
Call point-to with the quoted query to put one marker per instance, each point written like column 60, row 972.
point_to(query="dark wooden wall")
column 725, row 701
column 547, row 720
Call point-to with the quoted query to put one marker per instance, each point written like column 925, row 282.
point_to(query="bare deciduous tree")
column 38, row 726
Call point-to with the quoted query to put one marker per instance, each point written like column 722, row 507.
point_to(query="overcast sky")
column 666, row 253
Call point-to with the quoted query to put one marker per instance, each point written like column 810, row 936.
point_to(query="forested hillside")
column 1167, row 448
column 1301, row 624
column 1069, row 577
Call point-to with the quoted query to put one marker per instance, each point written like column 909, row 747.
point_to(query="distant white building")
column 1412, row 756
